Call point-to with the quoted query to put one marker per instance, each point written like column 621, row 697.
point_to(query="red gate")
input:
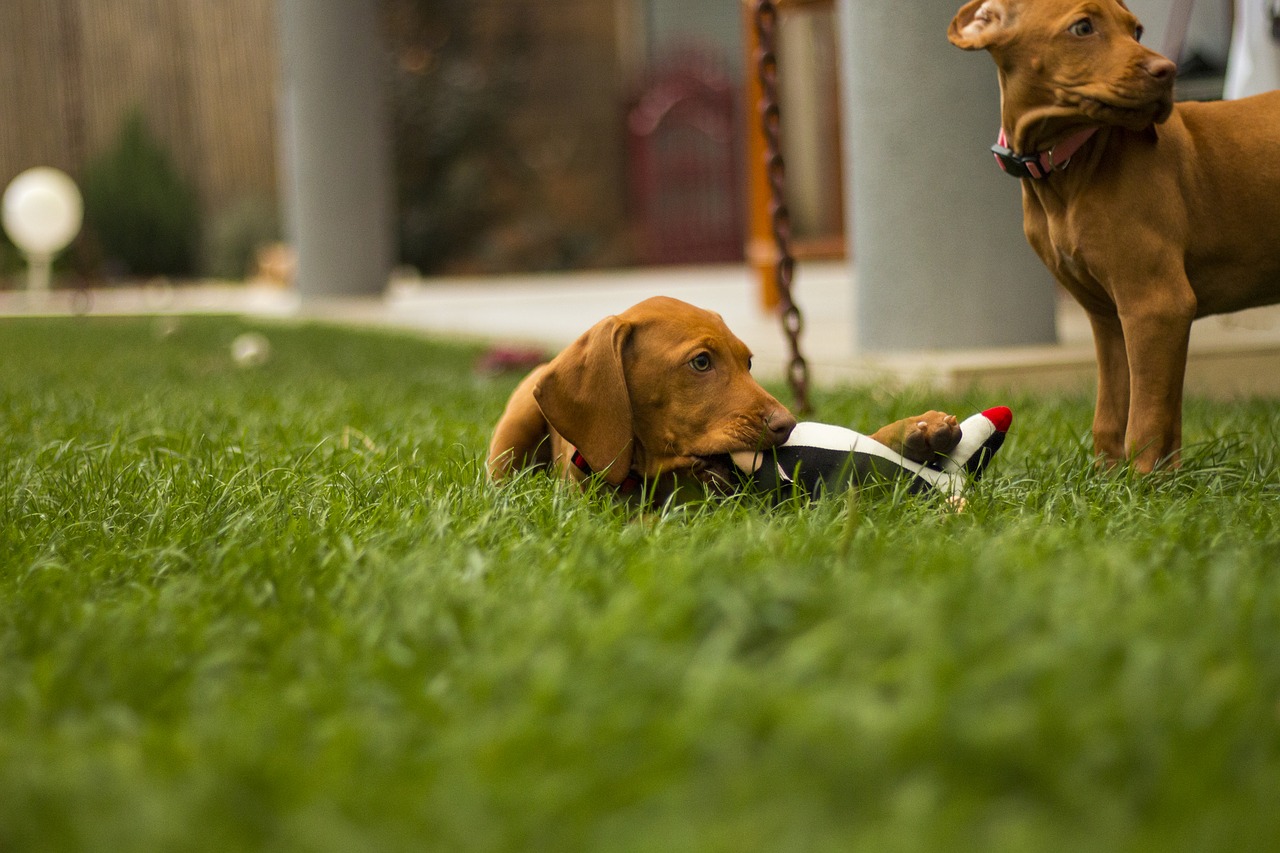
column 683, row 165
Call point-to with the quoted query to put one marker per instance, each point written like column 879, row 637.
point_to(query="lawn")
column 278, row 607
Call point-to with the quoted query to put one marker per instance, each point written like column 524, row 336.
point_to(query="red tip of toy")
column 1001, row 416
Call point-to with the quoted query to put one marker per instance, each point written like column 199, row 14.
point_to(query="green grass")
column 279, row 608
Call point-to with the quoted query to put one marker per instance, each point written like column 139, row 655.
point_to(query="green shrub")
column 144, row 214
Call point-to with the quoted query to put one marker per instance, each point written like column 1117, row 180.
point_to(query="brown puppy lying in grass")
column 661, row 396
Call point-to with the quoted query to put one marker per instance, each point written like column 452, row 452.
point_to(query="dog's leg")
column 1157, row 346
column 1111, row 414
column 521, row 436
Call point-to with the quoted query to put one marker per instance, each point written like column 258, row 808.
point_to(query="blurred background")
column 526, row 134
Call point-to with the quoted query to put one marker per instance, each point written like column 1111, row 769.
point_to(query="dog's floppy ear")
column 980, row 25
column 583, row 395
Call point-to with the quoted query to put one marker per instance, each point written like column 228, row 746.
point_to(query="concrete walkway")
column 1234, row 355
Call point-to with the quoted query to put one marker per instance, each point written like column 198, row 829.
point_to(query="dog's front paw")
column 921, row 437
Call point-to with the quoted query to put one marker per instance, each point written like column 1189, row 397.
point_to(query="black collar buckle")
column 1018, row 165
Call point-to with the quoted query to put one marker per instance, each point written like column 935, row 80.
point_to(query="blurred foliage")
column 235, row 235
column 144, row 216
column 458, row 169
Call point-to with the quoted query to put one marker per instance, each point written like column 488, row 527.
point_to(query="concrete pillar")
column 335, row 146
column 935, row 227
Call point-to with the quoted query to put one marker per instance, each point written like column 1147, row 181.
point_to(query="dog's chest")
column 1063, row 248
column 1070, row 265
column 1057, row 239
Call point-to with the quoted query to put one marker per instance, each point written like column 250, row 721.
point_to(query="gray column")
column 335, row 146
column 935, row 227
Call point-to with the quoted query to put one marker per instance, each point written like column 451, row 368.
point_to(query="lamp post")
column 43, row 212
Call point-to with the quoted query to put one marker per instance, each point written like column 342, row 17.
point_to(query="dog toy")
column 820, row 458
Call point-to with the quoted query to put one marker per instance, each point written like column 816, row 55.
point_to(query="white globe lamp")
column 42, row 214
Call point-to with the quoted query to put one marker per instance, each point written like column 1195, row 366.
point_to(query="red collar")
column 628, row 485
column 1040, row 164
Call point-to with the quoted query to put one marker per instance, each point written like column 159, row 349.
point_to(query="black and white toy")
column 823, row 458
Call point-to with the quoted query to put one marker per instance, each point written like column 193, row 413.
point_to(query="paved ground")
column 1238, row 354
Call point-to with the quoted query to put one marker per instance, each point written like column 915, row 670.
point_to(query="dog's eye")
column 1082, row 27
column 701, row 362
column 1137, row 34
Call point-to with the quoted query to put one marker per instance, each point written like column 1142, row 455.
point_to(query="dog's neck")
column 1037, row 128
column 1039, row 164
column 628, row 485
column 1060, row 132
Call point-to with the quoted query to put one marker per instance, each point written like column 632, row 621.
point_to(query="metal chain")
column 766, row 20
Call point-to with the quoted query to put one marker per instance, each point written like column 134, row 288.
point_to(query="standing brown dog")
column 1168, row 212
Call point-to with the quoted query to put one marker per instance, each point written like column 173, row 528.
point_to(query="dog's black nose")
column 1160, row 68
column 779, row 425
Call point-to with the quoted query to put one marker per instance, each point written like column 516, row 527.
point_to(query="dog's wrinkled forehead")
column 669, row 309
column 995, row 23
column 682, row 326
column 1061, row 14
column 1113, row 10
